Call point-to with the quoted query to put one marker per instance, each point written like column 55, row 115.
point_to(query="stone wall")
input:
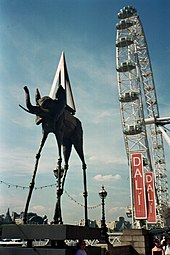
column 124, row 250
column 139, row 239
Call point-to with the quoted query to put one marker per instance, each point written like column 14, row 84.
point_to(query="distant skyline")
column 33, row 35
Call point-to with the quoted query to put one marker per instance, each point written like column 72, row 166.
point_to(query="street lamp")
column 104, row 235
column 58, row 173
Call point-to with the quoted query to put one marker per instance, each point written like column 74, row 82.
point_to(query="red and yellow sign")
column 150, row 193
column 139, row 198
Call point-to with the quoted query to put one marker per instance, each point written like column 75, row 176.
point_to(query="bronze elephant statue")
column 56, row 117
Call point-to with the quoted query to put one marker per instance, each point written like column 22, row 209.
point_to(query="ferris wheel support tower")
column 141, row 123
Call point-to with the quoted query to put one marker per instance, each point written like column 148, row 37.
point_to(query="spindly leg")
column 57, row 214
column 41, row 145
column 78, row 144
column 32, row 183
column 67, row 146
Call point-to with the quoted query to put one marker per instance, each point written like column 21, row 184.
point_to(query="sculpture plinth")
column 55, row 233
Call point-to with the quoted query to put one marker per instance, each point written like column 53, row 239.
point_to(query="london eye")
column 142, row 125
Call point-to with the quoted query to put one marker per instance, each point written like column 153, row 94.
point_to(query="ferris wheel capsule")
column 124, row 24
column 129, row 96
column 127, row 12
column 124, row 41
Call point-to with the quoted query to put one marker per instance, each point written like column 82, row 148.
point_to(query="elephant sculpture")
column 55, row 118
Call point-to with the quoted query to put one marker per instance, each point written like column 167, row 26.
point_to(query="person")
column 167, row 249
column 81, row 248
column 163, row 243
column 157, row 249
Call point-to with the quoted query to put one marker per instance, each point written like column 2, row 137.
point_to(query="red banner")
column 139, row 197
column 150, row 193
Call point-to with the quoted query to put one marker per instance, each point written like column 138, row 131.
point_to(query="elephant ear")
column 61, row 94
column 38, row 119
column 37, row 96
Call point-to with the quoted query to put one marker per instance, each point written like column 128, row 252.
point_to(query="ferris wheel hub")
column 158, row 121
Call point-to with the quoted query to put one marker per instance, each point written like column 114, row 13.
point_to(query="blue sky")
column 33, row 34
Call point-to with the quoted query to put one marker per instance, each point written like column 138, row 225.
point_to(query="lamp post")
column 104, row 235
column 58, row 173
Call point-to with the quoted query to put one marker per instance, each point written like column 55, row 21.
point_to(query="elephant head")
column 46, row 107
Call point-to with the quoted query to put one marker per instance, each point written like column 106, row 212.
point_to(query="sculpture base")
column 45, row 251
column 56, row 234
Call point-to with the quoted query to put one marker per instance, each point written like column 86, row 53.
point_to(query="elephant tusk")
column 24, row 109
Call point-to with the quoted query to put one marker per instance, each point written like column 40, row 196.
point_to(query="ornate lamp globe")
column 103, row 193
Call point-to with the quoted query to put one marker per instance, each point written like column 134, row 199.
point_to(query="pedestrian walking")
column 167, row 249
column 81, row 248
column 157, row 249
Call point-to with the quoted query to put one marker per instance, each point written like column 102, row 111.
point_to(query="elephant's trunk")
column 32, row 109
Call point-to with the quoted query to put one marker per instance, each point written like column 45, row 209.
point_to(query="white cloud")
column 101, row 116
column 116, row 209
column 38, row 208
column 108, row 177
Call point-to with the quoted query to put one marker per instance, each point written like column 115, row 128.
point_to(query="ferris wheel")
column 139, row 106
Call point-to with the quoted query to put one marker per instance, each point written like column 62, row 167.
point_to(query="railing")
column 115, row 238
